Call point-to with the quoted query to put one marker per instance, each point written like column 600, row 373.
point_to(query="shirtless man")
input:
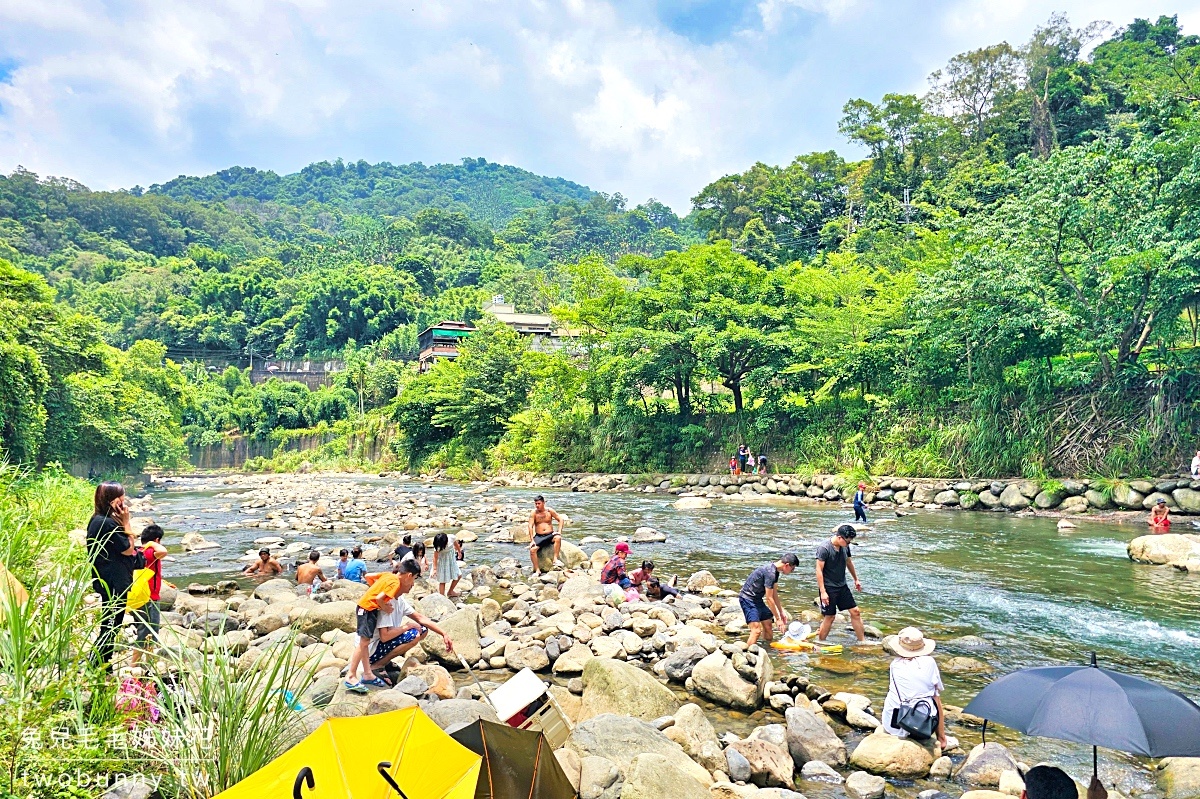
column 265, row 565
column 1160, row 519
column 310, row 573
column 542, row 532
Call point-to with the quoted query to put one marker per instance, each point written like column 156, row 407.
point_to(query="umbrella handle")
column 985, row 732
column 383, row 766
column 304, row 776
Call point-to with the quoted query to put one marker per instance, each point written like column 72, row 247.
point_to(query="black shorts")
column 368, row 620
column 544, row 540
column 840, row 598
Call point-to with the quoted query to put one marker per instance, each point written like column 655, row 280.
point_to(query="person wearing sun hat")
column 914, row 676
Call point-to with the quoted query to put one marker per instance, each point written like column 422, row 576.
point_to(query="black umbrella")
column 1091, row 705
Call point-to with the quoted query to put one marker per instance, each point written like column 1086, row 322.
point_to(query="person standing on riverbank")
column 1196, row 465
column 147, row 618
column 860, row 503
column 743, row 453
column 445, row 563
column 114, row 557
column 759, row 598
column 542, row 533
column 833, row 561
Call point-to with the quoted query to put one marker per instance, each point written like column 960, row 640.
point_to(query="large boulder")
column 811, row 738
column 701, row 580
column 620, row 739
column 572, row 556
column 573, row 660
column 1170, row 548
column 463, row 628
column 449, row 712
column 1098, row 499
column 1124, row 496
column 654, row 776
column 771, row 766
column 320, row 619
column 1187, row 499
column 1013, row 499
column 715, row 678
column 679, row 664
column 1179, row 777
column 613, row 686
column 387, row 701
column 985, row 764
column 693, row 503
column 695, row 733
column 890, row 756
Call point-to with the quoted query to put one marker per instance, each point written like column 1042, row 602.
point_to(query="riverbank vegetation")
column 1006, row 284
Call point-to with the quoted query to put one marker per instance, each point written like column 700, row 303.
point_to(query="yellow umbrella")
column 344, row 755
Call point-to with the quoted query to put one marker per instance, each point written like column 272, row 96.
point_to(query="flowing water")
column 1037, row 594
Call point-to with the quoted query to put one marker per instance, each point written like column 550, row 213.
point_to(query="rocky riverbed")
column 642, row 682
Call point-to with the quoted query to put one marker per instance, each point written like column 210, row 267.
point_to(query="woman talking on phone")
column 114, row 557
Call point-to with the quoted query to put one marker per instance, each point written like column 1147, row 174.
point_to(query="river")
column 1039, row 595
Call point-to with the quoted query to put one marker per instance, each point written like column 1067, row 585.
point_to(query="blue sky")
column 649, row 99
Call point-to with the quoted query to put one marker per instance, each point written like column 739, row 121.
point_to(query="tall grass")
column 220, row 723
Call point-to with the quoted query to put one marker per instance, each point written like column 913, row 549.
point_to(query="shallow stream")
column 1037, row 594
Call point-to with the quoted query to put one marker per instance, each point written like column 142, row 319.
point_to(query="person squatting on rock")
column 613, row 580
column 833, row 560
column 542, row 533
column 400, row 629
column 914, row 677
column 759, row 598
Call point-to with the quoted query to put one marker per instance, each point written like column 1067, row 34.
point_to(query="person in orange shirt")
column 383, row 588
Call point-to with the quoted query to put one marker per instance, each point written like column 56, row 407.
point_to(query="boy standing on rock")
column 759, row 598
column 833, row 559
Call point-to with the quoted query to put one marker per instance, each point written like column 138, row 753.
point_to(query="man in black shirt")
column 760, row 599
column 833, row 559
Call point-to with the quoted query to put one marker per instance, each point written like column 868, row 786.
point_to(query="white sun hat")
column 910, row 643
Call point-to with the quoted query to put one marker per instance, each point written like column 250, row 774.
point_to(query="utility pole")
column 850, row 219
column 907, row 207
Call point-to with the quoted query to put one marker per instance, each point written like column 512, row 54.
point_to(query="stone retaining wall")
column 1181, row 492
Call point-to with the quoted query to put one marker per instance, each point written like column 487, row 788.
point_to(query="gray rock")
column 949, row 498
column 810, row 738
column 132, row 787
column 596, row 776
column 449, row 712
column 533, row 658
column 387, row 701
column 1074, row 488
column 1125, row 496
column 739, row 766
column 1098, row 500
column 613, row 686
column 716, row 678
column 1152, row 500
column 861, row 785
column 816, row 771
column 463, row 628
column 985, row 764
column 655, row 776
column 679, row 664
column 1187, row 499
column 1013, row 499
column 620, row 739
column 770, row 765
column 413, row 686
column 1049, row 498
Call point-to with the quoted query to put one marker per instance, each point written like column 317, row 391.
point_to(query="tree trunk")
column 736, row 388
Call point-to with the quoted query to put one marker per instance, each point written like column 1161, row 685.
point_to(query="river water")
column 1037, row 594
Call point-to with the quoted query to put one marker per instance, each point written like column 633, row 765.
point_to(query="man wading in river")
column 833, row 559
column 542, row 532
column 759, row 599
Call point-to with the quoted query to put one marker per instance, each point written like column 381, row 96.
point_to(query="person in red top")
column 147, row 618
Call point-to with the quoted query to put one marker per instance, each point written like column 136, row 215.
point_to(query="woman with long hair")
column 114, row 557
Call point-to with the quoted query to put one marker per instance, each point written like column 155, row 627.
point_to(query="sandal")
column 356, row 688
column 376, row 682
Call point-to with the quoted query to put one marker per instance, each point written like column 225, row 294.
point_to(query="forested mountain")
column 1008, row 283
column 486, row 192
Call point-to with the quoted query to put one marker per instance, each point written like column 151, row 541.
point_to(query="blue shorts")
column 385, row 647
column 755, row 610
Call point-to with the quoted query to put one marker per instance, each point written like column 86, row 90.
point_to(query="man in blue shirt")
column 356, row 567
column 760, row 599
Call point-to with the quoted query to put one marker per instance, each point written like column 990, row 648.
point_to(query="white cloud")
column 597, row 91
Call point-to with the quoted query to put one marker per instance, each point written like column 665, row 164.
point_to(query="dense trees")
column 1007, row 281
